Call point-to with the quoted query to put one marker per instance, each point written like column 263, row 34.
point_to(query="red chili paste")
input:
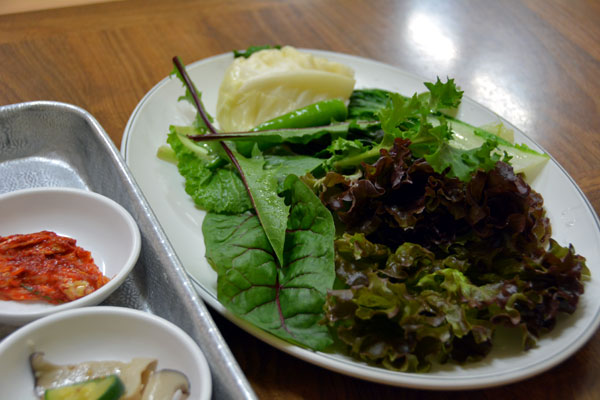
column 46, row 266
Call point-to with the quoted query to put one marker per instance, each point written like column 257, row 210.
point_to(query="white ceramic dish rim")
column 39, row 310
column 182, row 337
column 356, row 368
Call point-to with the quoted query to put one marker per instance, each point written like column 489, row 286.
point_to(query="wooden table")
column 534, row 62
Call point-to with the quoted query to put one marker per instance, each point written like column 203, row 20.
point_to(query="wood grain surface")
column 534, row 62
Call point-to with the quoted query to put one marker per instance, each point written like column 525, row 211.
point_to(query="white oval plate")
column 98, row 224
column 100, row 334
column 573, row 219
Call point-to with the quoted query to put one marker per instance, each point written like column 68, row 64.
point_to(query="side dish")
column 107, row 380
column 44, row 266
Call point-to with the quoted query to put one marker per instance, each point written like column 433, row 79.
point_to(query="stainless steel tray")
column 47, row 143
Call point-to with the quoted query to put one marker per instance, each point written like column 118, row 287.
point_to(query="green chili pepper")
column 316, row 114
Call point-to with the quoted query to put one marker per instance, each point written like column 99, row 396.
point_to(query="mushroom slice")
column 165, row 383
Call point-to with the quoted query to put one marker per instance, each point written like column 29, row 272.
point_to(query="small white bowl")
column 97, row 223
column 100, row 333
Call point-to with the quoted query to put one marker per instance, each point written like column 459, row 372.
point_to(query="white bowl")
column 100, row 334
column 97, row 223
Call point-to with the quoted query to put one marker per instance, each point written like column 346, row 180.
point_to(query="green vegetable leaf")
column 429, row 139
column 399, row 111
column 270, row 208
column 283, row 165
column 365, row 104
column 213, row 189
column 443, row 95
column 286, row 298
column 463, row 163
column 351, row 156
column 343, row 149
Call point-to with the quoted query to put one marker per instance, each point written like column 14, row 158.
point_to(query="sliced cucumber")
column 500, row 130
column 107, row 388
column 523, row 159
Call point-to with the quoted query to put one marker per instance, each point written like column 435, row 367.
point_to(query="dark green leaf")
column 365, row 104
column 270, row 208
column 285, row 299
